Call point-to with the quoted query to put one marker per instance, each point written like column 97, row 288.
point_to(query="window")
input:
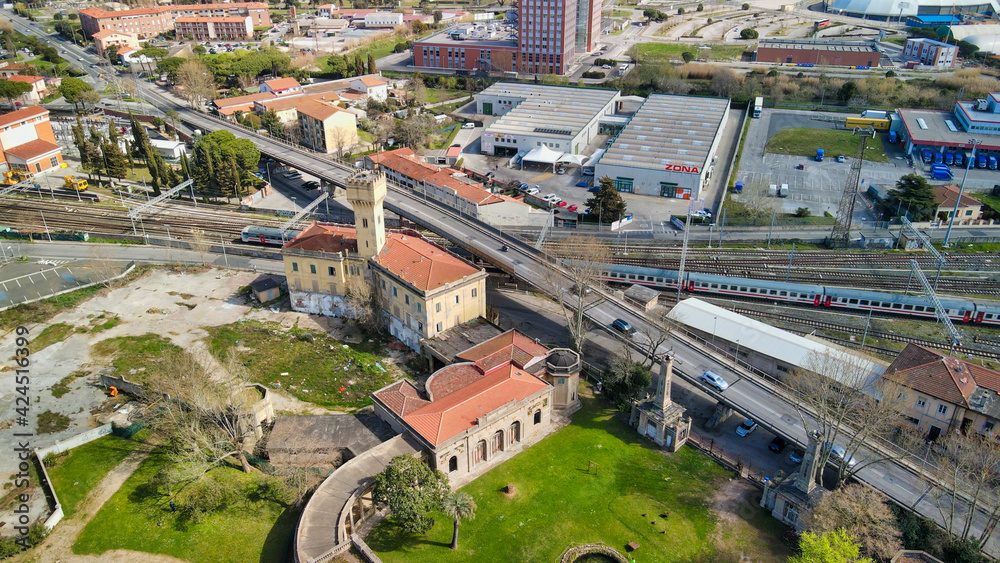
column 921, row 402
column 942, row 409
column 419, row 308
column 312, row 268
column 383, row 284
column 474, row 292
column 439, row 327
column 364, row 223
column 456, row 300
column 453, row 464
column 538, row 417
column 437, row 307
column 54, row 161
column 330, row 271
column 624, row 184
column 406, row 298
column 394, row 293
column 295, row 266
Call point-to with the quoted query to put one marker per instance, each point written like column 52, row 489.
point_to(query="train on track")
column 267, row 235
column 41, row 234
column 803, row 294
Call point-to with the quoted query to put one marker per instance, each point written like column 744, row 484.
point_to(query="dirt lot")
column 177, row 306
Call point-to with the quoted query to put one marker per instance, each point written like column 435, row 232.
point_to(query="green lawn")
column 593, row 481
column 138, row 517
column 317, row 365
column 435, row 95
column 76, row 473
column 674, row 50
column 50, row 335
column 804, row 141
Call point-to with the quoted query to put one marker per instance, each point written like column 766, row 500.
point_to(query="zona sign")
column 682, row 168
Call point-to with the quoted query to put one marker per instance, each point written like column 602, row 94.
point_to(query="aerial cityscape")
column 572, row 281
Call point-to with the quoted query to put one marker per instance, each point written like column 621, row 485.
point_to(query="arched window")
column 538, row 417
column 497, row 442
column 453, row 464
column 515, row 432
column 480, row 453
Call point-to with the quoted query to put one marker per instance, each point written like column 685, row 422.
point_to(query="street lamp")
column 168, row 234
column 961, row 190
column 715, row 325
column 736, row 358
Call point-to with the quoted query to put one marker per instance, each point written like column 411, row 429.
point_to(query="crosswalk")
column 52, row 262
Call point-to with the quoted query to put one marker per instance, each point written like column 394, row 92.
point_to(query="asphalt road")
column 746, row 394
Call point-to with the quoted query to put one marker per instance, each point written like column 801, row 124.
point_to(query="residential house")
column 226, row 107
column 970, row 209
column 944, row 394
column 202, row 28
column 109, row 37
column 27, row 142
column 38, row 88
column 372, row 87
column 325, row 127
column 282, row 86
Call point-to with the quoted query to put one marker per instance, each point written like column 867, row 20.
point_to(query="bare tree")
column 341, row 137
column 363, row 302
column 199, row 243
column 197, row 80
column 864, row 513
column 835, row 395
column 967, row 481
column 207, row 420
column 583, row 259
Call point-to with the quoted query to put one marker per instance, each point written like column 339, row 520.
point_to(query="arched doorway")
column 538, row 417
column 453, row 464
column 497, row 442
column 515, row 432
column 480, row 453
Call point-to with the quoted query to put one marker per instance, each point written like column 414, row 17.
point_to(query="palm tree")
column 459, row 506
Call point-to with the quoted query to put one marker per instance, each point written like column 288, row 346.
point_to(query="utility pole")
column 841, row 234
column 961, row 190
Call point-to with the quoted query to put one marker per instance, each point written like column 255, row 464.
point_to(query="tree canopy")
column 913, row 194
column 76, row 92
column 832, row 547
column 222, row 163
column 864, row 513
column 607, row 202
column 11, row 90
column 411, row 489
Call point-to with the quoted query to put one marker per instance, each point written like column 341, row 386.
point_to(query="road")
column 747, row 393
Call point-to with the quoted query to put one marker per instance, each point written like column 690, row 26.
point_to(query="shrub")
column 802, row 212
column 890, row 73
column 749, row 33
column 680, row 11
column 701, row 7
column 746, row 6
column 688, row 56
column 593, row 74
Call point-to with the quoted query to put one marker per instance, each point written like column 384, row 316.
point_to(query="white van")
column 783, row 192
column 772, row 190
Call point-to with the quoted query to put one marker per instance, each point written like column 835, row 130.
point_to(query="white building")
column 170, row 150
column 383, row 19
column 668, row 148
column 561, row 118
column 930, row 52
column 371, row 86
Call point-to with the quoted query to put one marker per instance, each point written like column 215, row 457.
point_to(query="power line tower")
column 841, row 234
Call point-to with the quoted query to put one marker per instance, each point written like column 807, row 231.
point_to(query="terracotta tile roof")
column 446, row 381
column 421, row 263
column 372, row 81
column 946, row 196
column 217, row 19
column 30, row 79
column 940, row 376
column 317, row 109
column 280, row 84
column 322, row 237
column 352, row 96
column 378, row 157
column 448, row 416
column 409, row 166
column 98, row 13
column 401, row 397
column 21, row 115
column 110, row 32
column 32, row 149
column 15, row 66
column 243, row 100
column 519, row 348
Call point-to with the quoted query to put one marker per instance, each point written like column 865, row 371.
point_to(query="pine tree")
column 140, row 140
column 116, row 161
column 95, row 159
column 185, row 166
column 128, row 154
column 359, row 66
column 371, row 64
column 607, row 202
column 204, row 170
column 154, row 175
column 234, row 171
column 80, row 140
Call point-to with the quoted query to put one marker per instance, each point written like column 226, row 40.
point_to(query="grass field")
column 50, row 335
column 436, row 95
column 674, row 50
column 77, row 472
column 317, row 366
column 804, row 141
column 137, row 357
column 138, row 517
column 593, row 481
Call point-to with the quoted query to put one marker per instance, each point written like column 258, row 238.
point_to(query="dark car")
column 623, row 327
column 777, row 444
column 796, row 456
column 310, row 185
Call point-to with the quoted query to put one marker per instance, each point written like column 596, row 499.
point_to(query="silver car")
column 715, row 380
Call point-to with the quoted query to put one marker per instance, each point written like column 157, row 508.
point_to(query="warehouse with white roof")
column 667, row 148
column 560, row 118
column 774, row 351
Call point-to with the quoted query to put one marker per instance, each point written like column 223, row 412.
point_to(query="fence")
column 129, row 268
column 122, row 385
column 59, row 447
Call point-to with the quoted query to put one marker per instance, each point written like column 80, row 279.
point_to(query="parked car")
column 606, row 67
column 292, row 175
column 703, row 213
column 531, row 191
column 310, row 185
column 561, row 203
column 469, row 125
column 746, row 427
column 594, row 189
column 777, row 444
column 523, row 187
column 715, row 380
column 796, row 456
column 837, row 453
column 573, row 207
column 582, row 184
column 550, row 197
column 623, row 327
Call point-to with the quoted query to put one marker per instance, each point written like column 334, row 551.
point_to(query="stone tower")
column 664, row 384
column 366, row 192
column 805, row 481
column 660, row 419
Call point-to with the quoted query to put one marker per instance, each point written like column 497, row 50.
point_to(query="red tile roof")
column 216, row 19
column 939, row 375
column 280, row 84
column 946, row 196
column 519, row 348
column 421, row 263
column 322, row 237
column 30, row 79
column 98, row 13
column 243, row 100
column 380, row 156
column 445, row 417
column 409, row 166
column 32, row 149
column 444, row 382
column 109, row 32
column 22, row 115
column 317, row 109
column 372, row 81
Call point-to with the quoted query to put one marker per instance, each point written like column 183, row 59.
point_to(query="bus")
column 758, row 105
column 822, row 24
column 876, row 124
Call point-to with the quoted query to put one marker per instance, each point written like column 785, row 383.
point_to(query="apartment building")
column 150, row 22
column 109, row 37
column 27, row 143
column 202, row 28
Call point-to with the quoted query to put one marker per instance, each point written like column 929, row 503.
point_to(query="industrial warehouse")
column 660, row 146
column 545, row 119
